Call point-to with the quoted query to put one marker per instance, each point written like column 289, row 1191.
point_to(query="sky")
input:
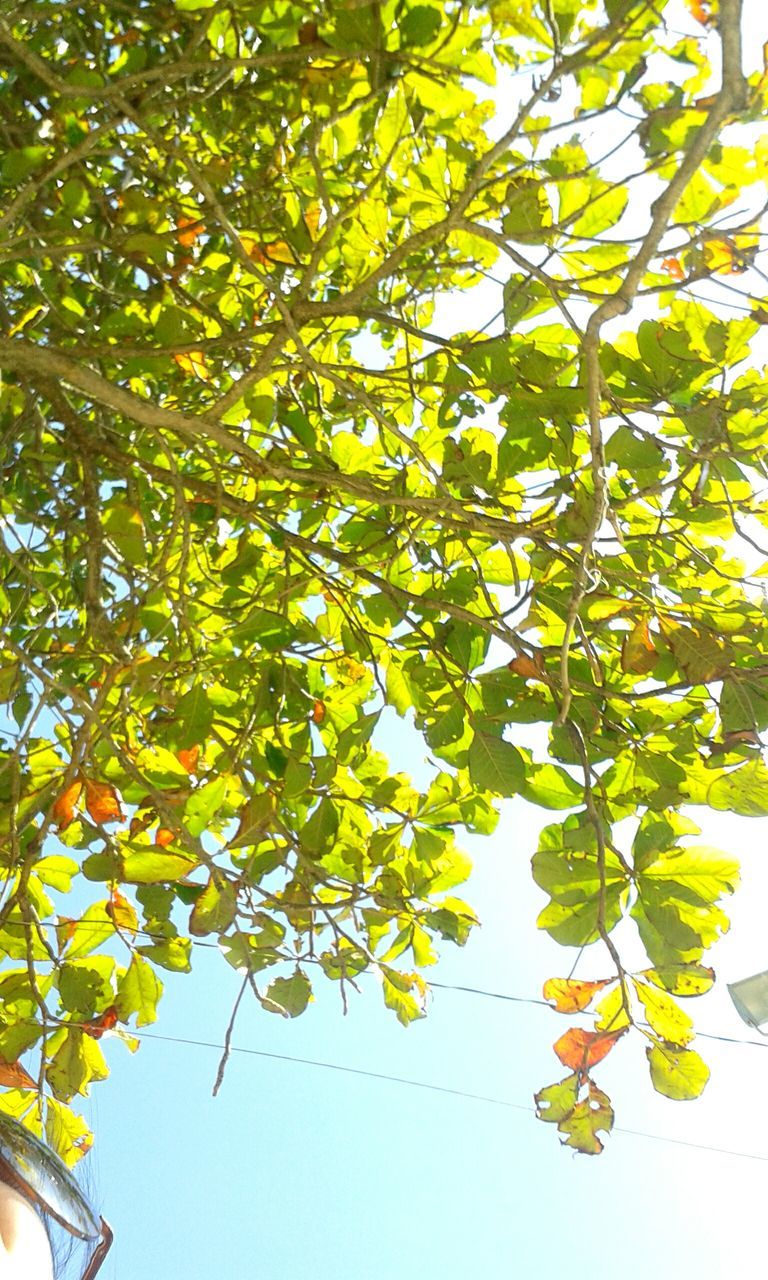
column 296, row 1169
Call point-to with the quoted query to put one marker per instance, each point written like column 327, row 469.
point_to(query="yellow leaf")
column 193, row 362
column 26, row 319
column 571, row 996
column 638, row 654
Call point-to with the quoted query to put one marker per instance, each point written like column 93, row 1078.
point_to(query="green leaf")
column 593, row 1115
column 682, row 979
column 194, row 712
column 420, row 25
column 65, row 1131
column 215, row 908
column 581, row 1121
column 138, row 992
column 495, row 765
column 85, row 986
column 161, row 768
column 664, row 1016
column 398, row 995
column 155, row 866
column 173, row 954
column 319, row 832
column 677, row 1073
column 710, row 873
column 83, row 936
column 288, row 996
column 743, row 790
column 551, row 787
column 700, row 655
column 18, row 164
column 556, row 1101
column 77, row 1062
column 203, row 805
column 124, row 528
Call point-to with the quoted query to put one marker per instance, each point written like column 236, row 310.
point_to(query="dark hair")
column 62, row 1246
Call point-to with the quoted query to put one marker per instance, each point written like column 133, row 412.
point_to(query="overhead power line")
column 436, row 1088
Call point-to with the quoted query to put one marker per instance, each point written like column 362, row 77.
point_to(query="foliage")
column 260, row 483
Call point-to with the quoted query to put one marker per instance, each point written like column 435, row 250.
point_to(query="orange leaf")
column 105, row 1022
column 701, row 11
column 13, row 1076
column 318, row 712
column 638, row 654
column 188, row 229
column 164, row 837
column 264, row 254
column 102, row 802
column 122, row 912
column 312, row 218
column 129, row 37
column 65, row 930
column 193, row 362
column 528, row 668
column 189, row 756
column 673, row 268
column 570, row 996
column 84, row 1144
column 580, row 1049
column 63, row 810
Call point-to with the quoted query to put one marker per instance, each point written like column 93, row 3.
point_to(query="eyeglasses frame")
column 9, row 1175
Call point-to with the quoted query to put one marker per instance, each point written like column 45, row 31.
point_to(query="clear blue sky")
column 296, row 1171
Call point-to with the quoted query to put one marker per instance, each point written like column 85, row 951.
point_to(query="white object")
column 750, row 997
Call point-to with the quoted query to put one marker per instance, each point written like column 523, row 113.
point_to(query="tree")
column 258, row 486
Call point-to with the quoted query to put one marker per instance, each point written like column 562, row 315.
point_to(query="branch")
column 732, row 96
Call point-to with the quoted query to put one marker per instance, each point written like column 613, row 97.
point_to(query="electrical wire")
column 437, row 1088
column 462, row 1093
column 473, row 991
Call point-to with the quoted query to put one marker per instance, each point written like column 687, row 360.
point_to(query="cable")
column 478, row 991
column 491, row 995
column 335, row 1066
column 438, row 1088
column 499, row 995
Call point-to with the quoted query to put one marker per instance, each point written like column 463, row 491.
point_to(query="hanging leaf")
column 193, row 362
column 215, row 909
column 14, row 1076
column 288, row 996
column 63, row 810
column 594, row 1114
column 638, row 652
column 188, row 230
column 122, row 912
column 677, row 1073
column 699, row 654
column 188, row 757
column 102, row 802
column 106, row 1021
column 571, row 996
column 580, row 1050
column 495, row 765
column 673, row 268
column 138, row 992
column 531, row 668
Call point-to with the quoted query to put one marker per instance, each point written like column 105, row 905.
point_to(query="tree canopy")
column 262, row 480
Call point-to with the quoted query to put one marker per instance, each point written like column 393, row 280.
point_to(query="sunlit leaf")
column 580, row 1050
column 569, row 995
column 677, row 1073
column 102, row 801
